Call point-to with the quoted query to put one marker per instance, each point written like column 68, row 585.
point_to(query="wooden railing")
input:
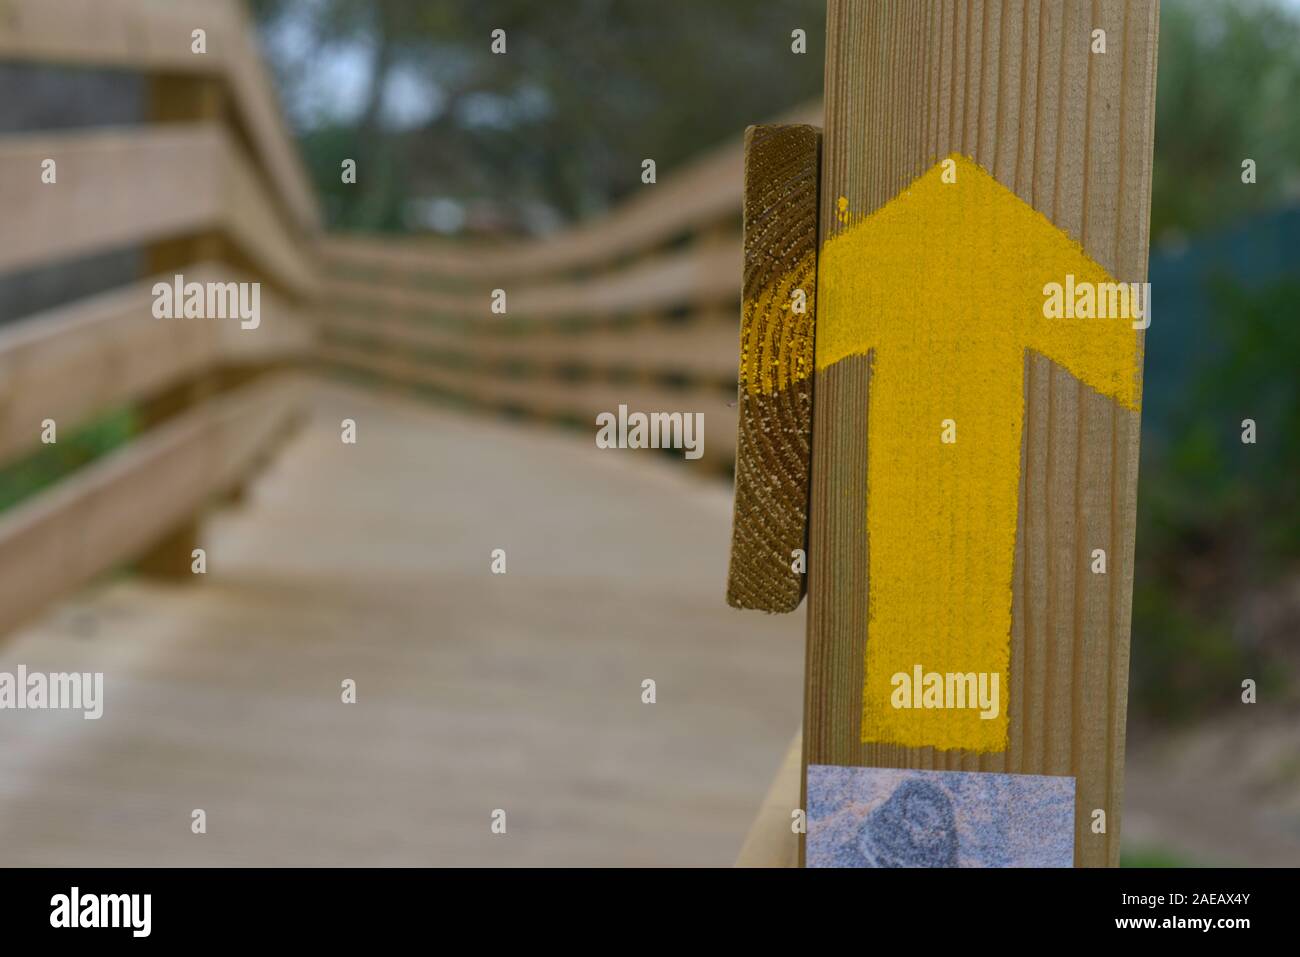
column 209, row 187
column 639, row 308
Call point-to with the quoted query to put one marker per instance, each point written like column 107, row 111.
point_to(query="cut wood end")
column 774, row 440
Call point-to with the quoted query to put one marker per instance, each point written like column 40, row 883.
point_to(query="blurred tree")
column 552, row 131
column 1228, row 78
column 1219, row 521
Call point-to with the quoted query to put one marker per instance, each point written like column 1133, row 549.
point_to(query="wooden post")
column 172, row 99
column 1002, row 454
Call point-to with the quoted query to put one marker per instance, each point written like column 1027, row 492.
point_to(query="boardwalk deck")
column 475, row 691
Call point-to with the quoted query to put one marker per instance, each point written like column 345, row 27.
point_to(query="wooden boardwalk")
column 475, row 691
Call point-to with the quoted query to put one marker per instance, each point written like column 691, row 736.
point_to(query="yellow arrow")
column 944, row 288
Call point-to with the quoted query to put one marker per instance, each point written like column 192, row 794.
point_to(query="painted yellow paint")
column 943, row 286
column 777, row 354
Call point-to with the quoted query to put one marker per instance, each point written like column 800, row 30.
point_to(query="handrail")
column 69, row 363
column 153, row 36
column 706, row 191
column 708, row 274
column 544, row 398
column 144, row 184
column 700, row 349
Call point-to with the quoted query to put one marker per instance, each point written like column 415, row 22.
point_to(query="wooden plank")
column 122, row 187
column 116, row 507
column 259, row 109
column 187, row 100
column 579, row 401
column 1013, row 86
column 706, row 191
column 251, row 219
column 773, row 840
column 156, row 37
column 117, row 33
column 774, row 392
column 702, row 349
column 706, row 276
column 114, row 188
column 73, row 362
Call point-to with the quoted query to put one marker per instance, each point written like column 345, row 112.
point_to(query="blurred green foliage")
column 1218, row 541
column 555, row 130
column 1228, row 76
column 1153, row 857
column 49, row 463
column 1219, row 520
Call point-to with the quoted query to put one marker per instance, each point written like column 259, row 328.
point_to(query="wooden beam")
column 112, row 33
column 181, row 100
column 702, row 349
column 127, row 186
column 116, row 507
column 773, row 839
column 251, row 219
column 545, row 398
column 78, row 360
column 114, row 188
column 707, row 276
column 1014, row 87
column 774, row 393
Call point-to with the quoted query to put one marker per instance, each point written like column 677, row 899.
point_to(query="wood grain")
column 1011, row 84
column 774, row 389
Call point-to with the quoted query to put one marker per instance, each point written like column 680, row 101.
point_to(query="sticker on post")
column 894, row 817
